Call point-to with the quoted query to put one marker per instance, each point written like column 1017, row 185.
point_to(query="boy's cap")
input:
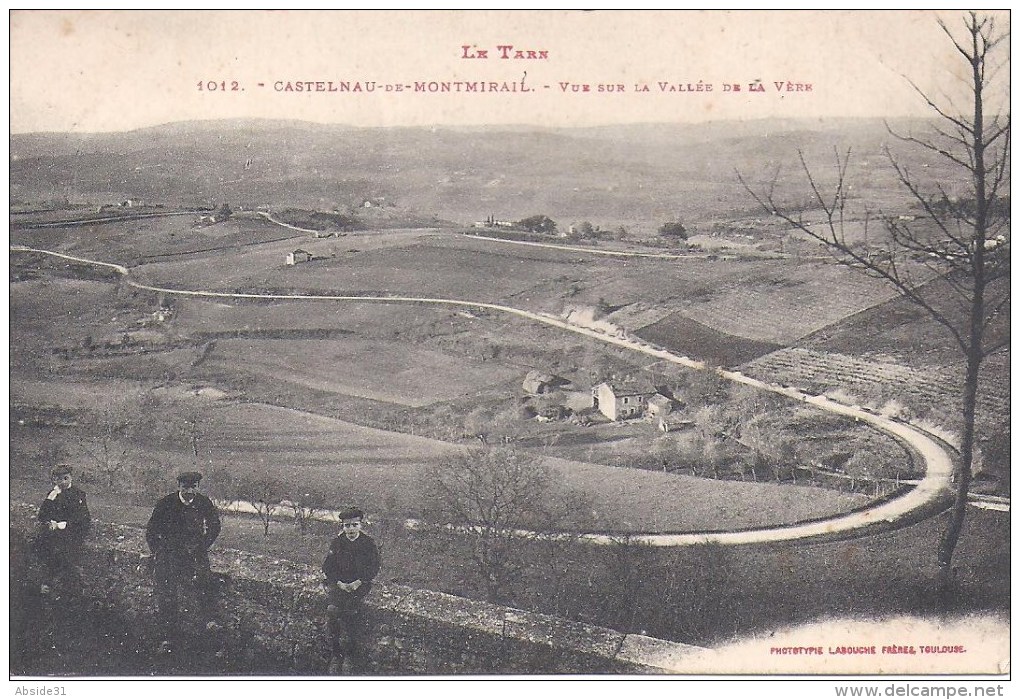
column 59, row 471
column 350, row 513
column 189, row 478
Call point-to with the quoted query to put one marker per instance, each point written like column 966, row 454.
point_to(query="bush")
column 539, row 223
column 894, row 409
column 842, row 396
column 674, row 229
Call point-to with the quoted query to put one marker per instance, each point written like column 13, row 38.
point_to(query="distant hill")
column 635, row 175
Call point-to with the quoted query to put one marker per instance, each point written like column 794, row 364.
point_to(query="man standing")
column 350, row 566
column 64, row 522
column 183, row 526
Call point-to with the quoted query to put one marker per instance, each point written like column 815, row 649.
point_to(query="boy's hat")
column 59, row 471
column 350, row 513
column 187, row 479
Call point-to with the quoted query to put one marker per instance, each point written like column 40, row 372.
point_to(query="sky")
column 90, row 71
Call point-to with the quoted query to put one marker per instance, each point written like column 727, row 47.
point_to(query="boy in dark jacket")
column 350, row 566
column 64, row 522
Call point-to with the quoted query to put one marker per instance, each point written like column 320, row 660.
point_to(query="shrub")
column 539, row 223
column 673, row 229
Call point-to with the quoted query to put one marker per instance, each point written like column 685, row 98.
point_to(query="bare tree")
column 261, row 490
column 709, row 426
column 960, row 241
column 493, row 491
column 152, row 476
column 770, row 444
column 308, row 503
column 106, row 444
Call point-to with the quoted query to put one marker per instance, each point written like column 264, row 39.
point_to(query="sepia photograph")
column 491, row 344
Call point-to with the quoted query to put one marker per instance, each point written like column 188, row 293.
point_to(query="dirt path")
column 929, row 497
column 269, row 217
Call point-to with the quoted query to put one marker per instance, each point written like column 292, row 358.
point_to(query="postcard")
column 505, row 344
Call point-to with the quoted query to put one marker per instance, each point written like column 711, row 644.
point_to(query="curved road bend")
column 924, row 500
column 268, row 216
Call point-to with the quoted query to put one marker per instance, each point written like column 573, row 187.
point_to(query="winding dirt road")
column 929, row 497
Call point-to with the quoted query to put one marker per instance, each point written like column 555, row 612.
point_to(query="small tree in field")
column 492, row 491
column 771, row 446
column 106, row 444
column 307, row 504
column 963, row 241
column 262, row 491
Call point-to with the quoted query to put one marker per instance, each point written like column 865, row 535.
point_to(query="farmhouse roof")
column 626, row 388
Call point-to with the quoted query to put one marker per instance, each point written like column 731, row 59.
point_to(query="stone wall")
column 274, row 609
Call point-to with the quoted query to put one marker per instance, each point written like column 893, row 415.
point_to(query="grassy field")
column 383, row 469
column 255, row 267
column 328, row 357
column 768, row 301
column 364, row 319
column 133, row 242
column 50, row 311
column 414, row 376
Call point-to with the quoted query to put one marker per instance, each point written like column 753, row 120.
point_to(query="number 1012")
column 221, row 86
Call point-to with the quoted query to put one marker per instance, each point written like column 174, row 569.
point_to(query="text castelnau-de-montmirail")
column 507, row 86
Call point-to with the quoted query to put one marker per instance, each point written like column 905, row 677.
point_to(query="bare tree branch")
column 966, row 243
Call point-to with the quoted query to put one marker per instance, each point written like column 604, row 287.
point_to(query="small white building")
column 298, row 256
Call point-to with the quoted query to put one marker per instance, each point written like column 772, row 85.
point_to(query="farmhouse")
column 492, row 222
column 620, row 401
column 298, row 256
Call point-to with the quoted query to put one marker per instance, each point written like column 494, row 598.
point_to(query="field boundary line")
column 107, row 219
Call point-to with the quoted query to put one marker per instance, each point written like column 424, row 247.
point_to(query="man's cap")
column 189, row 478
column 350, row 513
column 59, row 471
